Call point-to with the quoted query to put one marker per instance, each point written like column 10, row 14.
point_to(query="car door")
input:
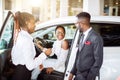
column 110, row 33
column 50, row 32
column 6, row 41
column 72, row 54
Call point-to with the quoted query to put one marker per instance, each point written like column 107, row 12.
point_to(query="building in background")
column 112, row 7
column 44, row 10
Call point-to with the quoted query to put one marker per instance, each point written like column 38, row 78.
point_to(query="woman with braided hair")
column 23, row 51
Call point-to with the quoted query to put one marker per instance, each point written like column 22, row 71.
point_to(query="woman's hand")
column 41, row 67
column 49, row 70
column 45, row 50
column 39, row 46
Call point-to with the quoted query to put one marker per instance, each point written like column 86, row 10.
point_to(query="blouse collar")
column 26, row 34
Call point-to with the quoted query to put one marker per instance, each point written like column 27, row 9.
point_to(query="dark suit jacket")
column 90, row 57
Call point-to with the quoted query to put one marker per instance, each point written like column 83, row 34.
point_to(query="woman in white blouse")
column 60, row 49
column 23, row 51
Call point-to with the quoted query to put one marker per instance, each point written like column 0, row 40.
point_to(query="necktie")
column 81, row 41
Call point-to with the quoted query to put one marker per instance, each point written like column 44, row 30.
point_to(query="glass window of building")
column 8, row 4
column 57, row 8
column 75, row 6
column 112, row 7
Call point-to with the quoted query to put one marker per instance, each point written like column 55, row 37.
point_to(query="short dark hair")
column 84, row 15
column 59, row 26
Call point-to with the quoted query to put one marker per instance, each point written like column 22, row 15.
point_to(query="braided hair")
column 23, row 17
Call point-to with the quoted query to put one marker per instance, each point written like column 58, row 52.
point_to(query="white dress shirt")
column 23, row 51
column 86, row 34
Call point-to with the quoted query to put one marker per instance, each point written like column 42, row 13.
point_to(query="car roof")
column 72, row 19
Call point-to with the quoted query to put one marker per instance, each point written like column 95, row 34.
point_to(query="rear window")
column 109, row 32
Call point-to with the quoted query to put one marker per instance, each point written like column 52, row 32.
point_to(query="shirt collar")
column 87, row 31
column 26, row 33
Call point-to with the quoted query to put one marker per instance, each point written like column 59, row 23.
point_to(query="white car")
column 107, row 26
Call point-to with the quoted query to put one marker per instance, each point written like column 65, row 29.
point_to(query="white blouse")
column 59, row 63
column 23, row 51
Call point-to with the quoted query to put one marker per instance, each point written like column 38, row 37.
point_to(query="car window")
column 49, row 32
column 109, row 32
column 7, row 34
column 45, row 33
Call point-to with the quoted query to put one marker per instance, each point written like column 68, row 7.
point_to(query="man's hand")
column 70, row 76
column 49, row 70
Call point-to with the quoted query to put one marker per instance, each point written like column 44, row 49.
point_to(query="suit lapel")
column 85, row 40
column 91, row 31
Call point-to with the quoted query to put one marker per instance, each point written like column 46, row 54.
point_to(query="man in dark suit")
column 90, row 52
